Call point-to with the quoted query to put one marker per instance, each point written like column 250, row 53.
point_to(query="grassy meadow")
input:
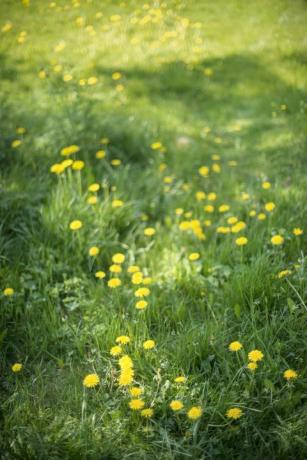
column 153, row 229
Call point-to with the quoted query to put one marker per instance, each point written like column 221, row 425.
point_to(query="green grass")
column 224, row 78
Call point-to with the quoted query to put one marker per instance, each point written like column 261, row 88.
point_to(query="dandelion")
column 232, row 220
column 204, row 171
column 255, row 356
column 117, row 203
column 114, row 283
column 8, row 292
column 136, row 404
column 147, row 413
column 133, row 269
column 180, row 379
column 92, row 81
column 93, row 188
column 290, row 374
column 100, row 154
column 209, row 208
column 277, row 240
column 67, row 163
column 16, row 143
column 235, row 346
column 252, row 366
column 57, row 168
column 135, row 391
column 116, row 162
column 137, row 278
column 142, row 292
column 297, row 231
column 67, row 77
column 126, row 377
column 141, row 305
column 100, row 275
column 78, row 165
column 118, row 258
column 194, row 256
column 283, row 273
column 149, row 344
column 176, row 405
column 115, row 268
column 261, row 216
column 75, row 225
column 224, row 208
column 149, row 231
column 116, row 76
column 16, row 367
column 94, row 251
column 92, row 199
column 91, row 380
column 270, row 206
column 70, row 149
column 194, row 413
column 156, row 145
column 234, row 413
column 200, row 196
column 266, row 185
column 116, row 350
column 242, row 241
column 123, row 339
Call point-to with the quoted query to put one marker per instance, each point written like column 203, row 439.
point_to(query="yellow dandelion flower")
column 298, row 231
column 252, row 366
column 114, row 283
column 180, row 379
column 92, row 81
column 200, row 196
column 16, row 367
column 261, row 216
column 255, row 355
column 209, row 208
column 100, row 275
column 232, row 220
column 116, row 162
column 93, row 251
column 141, row 305
column 57, row 168
column 100, row 154
column 70, row 149
column 242, row 241
column 16, row 143
column 118, row 258
column 133, row 269
column 270, row 206
column 195, row 412
column 234, row 413
column 149, row 231
column 116, row 350
column 283, row 273
column 290, row 374
column 75, row 225
column 176, row 405
column 117, row 203
column 142, row 292
column 212, row 196
column 115, row 268
column 116, row 76
column 91, row 380
column 194, row 256
column 147, row 413
column 149, row 344
column 135, row 391
column 126, row 377
column 224, row 208
column 204, row 171
column 277, row 240
column 8, row 292
column 78, row 165
column 66, row 163
column 137, row 278
column 136, row 404
column 266, row 185
column 156, row 145
column 123, row 339
column 93, row 187
column 92, row 199
column 235, row 346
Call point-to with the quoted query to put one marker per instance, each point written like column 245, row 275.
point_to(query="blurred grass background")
column 204, row 79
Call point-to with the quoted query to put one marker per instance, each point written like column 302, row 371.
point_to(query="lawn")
column 153, row 229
